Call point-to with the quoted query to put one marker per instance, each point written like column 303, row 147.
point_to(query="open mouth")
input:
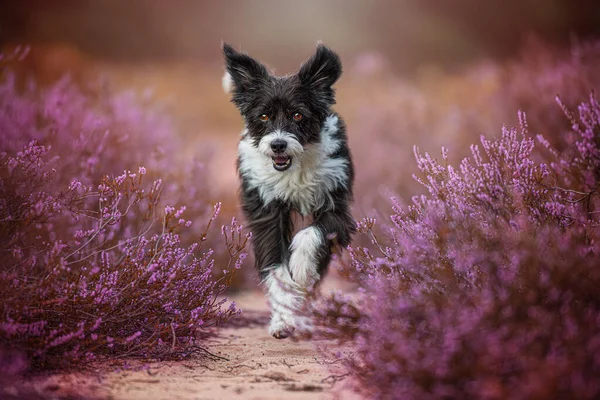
column 281, row 163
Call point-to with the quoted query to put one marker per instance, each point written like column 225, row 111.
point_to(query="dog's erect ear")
column 322, row 70
column 244, row 70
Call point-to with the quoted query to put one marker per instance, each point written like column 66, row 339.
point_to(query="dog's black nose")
column 278, row 146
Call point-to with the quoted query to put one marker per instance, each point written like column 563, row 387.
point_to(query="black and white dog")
column 295, row 166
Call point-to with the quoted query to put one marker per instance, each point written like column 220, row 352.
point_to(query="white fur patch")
column 294, row 148
column 310, row 179
column 227, row 82
column 303, row 261
column 285, row 297
column 330, row 127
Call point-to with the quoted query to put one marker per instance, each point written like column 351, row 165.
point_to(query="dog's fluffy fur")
column 294, row 166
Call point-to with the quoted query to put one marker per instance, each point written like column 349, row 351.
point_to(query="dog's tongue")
column 281, row 160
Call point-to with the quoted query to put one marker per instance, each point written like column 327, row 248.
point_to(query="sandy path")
column 253, row 366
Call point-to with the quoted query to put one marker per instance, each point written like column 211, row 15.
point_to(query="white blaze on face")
column 294, row 148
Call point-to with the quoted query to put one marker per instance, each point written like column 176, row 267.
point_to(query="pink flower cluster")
column 486, row 286
column 94, row 261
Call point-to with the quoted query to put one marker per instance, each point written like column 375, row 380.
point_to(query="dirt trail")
column 250, row 364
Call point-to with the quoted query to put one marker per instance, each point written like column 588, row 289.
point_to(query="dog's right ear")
column 244, row 71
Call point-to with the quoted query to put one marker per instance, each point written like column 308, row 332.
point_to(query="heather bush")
column 96, row 259
column 486, row 286
column 531, row 82
column 387, row 115
column 98, row 132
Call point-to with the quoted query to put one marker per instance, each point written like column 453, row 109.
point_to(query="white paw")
column 280, row 329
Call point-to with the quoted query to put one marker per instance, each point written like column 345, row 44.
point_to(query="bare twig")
column 334, row 378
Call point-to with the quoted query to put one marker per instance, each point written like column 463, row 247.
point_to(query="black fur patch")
column 309, row 92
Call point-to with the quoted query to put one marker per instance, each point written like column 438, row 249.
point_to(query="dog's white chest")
column 308, row 183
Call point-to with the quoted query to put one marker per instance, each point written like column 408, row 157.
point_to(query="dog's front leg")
column 285, row 297
column 308, row 250
column 311, row 247
column 311, row 252
column 271, row 233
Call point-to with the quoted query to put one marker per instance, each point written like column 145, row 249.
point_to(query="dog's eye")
column 297, row 117
column 264, row 117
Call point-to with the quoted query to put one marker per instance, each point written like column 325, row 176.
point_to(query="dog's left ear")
column 322, row 70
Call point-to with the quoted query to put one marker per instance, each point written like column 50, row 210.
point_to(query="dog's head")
column 283, row 114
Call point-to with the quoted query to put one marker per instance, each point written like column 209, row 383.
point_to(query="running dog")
column 294, row 166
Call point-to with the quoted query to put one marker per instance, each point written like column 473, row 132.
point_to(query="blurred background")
column 113, row 85
column 411, row 34
column 422, row 72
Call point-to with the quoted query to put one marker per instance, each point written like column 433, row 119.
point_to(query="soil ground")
column 247, row 364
